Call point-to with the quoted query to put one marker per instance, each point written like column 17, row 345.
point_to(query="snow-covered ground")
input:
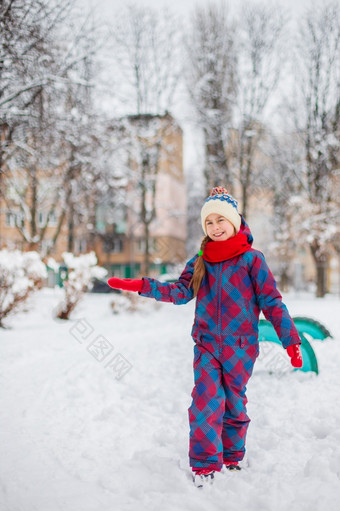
column 94, row 415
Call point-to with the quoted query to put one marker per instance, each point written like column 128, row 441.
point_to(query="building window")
column 52, row 221
column 80, row 246
column 113, row 245
column 42, row 218
column 10, row 219
column 152, row 245
column 14, row 219
column 141, row 246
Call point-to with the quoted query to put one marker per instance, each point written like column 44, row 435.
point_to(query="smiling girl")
column 232, row 284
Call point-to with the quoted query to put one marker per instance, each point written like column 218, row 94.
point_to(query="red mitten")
column 126, row 284
column 295, row 355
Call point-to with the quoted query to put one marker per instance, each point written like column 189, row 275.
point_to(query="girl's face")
column 219, row 228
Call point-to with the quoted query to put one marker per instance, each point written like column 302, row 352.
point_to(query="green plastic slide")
column 304, row 326
column 311, row 327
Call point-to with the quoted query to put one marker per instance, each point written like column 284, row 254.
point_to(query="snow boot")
column 202, row 477
column 233, row 466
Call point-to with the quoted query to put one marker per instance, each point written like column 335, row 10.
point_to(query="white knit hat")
column 221, row 203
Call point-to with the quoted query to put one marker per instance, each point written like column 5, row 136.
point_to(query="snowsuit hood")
column 244, row 229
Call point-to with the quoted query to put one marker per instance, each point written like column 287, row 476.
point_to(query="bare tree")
column 26, row 27
column 26, row 57
column 317, row 119
column 50, row 128
column 210, row 76
column 281, row 181
column 260, row 62
column 148, row 146
column 146, row 54
column 146, row 59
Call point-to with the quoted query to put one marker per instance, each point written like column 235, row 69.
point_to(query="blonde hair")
column 199, row 270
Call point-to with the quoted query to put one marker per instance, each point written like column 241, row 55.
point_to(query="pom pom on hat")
column 218, row 190
column 222, row 203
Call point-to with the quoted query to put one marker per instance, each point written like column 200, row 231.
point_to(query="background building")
column 138, row 227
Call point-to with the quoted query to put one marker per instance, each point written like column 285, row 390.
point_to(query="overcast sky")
column 109, row 7
column 105, row 11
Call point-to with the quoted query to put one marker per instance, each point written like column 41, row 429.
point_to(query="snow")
column 20, row 273
column 80, row 432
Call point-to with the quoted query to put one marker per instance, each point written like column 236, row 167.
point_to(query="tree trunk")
column 321, row 280
column 246, row 157
column 147, row 250
column 217, row 171
column 284, row 280
column 245, row 192
column 70, row 234
column 145, row 222
column 321, row 261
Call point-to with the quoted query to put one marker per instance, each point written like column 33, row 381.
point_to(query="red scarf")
column 217, row 251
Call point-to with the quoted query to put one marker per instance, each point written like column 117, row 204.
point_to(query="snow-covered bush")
column 120, row 303
column 81, row 272
column 129, row 301
column 21, row 273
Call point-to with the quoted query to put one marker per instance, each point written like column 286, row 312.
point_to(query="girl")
column 232, row 284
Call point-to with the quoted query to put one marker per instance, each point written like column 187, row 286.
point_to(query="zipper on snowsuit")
column 219, row 306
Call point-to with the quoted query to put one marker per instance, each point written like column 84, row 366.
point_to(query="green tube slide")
column 308, row 326
column 311, row 327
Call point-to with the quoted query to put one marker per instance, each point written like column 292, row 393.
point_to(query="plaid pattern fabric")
column 225, row 330
column 218, row 416
column 230, row 299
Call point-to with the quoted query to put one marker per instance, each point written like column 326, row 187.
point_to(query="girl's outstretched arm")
column 178, row 292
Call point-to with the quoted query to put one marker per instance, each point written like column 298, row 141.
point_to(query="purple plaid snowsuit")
column 225, row 332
